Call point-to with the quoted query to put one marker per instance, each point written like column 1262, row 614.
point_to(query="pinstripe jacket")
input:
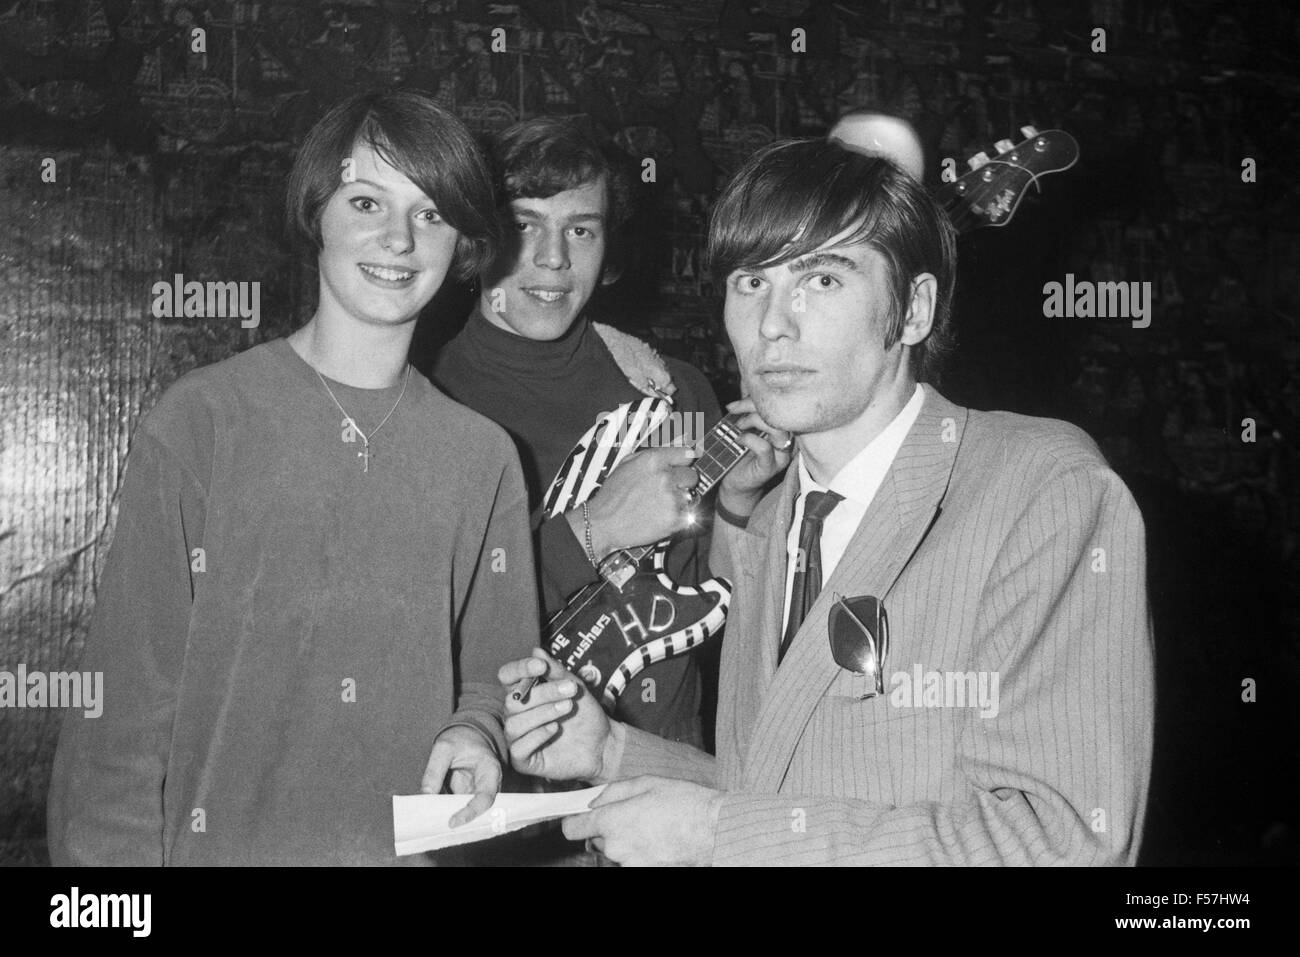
column 1003, row 546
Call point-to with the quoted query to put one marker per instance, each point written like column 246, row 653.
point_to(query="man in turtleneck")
column 533, row 362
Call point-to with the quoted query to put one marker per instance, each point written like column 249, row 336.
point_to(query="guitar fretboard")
column 720, row 450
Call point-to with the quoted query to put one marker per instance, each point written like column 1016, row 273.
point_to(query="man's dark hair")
column 814, row 190
column 416, row 136
column 538, row 158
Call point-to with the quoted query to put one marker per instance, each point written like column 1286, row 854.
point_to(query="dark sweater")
column 294, row 679
column 546, row 395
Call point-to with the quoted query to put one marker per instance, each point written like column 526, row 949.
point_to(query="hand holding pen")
column 554, row 727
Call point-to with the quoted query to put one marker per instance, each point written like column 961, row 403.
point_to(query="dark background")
column 172, row 161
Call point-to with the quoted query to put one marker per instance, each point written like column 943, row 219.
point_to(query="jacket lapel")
column 761, row 568
column 893, row 528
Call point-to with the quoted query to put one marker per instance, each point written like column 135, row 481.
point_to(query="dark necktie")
column 808, row 573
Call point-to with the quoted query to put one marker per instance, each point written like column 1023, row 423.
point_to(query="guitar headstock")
column 990, row 193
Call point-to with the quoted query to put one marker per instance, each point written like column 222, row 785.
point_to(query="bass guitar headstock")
column 991, row 191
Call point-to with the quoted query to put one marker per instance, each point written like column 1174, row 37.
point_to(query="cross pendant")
column 364, row 455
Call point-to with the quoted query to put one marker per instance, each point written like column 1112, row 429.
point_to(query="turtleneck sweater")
column 546, row 394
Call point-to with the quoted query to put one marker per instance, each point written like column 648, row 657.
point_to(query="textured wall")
column 83, row 358
column 170, row 160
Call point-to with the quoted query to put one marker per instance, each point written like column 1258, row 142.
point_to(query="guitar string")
column 982, row 189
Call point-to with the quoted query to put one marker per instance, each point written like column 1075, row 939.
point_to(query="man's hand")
column 560, row 732
column 473, row 766
column 742, row 488
column 651, row 821
column 642, row 501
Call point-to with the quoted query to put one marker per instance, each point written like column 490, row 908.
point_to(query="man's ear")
column 610, row 274
column 920, row 309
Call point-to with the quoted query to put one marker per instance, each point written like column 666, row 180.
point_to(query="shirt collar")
column 860, row 476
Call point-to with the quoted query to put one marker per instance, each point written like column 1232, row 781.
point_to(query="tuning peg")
column 978, row 160
column 1028, row 132
column 1003, row 145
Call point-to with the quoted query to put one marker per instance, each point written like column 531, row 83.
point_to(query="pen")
column 521, row 695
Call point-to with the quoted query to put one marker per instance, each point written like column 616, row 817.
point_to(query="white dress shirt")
column 858, row 481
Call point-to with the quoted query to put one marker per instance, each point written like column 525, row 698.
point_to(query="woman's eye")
column 364, row 203
column 431, row 215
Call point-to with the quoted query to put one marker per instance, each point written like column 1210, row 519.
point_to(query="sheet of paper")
column 420, row 820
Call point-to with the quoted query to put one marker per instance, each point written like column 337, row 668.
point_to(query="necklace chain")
column 365, row 439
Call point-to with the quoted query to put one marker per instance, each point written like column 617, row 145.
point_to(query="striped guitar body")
column 634, row 615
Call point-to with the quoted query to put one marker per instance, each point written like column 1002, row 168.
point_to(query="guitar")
column 634, row 615
column 989, row 193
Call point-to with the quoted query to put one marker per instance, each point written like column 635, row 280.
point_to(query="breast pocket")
column 851, row 687
column 873, row 751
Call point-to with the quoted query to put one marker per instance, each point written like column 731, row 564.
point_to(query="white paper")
column 420, row 821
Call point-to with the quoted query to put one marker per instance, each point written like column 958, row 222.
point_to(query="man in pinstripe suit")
column 1004, row 549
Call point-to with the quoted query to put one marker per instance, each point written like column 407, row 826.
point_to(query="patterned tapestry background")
column 173, row 161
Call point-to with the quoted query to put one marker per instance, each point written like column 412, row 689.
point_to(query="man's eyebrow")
column 822, row 259
column 524, row 212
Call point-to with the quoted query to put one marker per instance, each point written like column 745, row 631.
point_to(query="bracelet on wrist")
column 586, row 536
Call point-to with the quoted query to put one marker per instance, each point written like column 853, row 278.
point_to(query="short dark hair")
column 416, row 136
column 814, row 189
column 538, row 158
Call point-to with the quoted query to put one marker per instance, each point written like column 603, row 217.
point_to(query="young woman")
column 320, row 560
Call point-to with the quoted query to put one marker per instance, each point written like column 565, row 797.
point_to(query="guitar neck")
column 720, row 450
